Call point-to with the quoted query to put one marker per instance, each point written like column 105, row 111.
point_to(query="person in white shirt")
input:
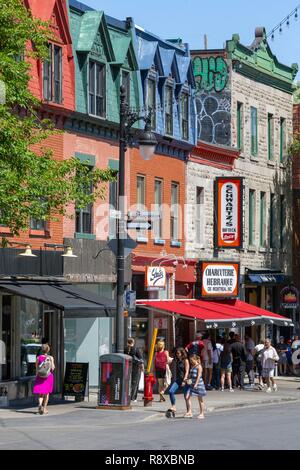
column 269, row 358
column 295, row 347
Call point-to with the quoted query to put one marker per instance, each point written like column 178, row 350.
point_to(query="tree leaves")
column 28, row 172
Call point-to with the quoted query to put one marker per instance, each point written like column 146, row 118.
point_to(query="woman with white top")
column 269, row 358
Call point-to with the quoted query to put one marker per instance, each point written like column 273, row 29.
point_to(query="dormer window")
column 97, row 89
column 169, row 109
column 184, row 102
column 151, row 100
column 52, row 75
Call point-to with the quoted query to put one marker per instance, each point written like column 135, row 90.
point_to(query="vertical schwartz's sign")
column 229, row 212
column 155, row 278
column 219, row 279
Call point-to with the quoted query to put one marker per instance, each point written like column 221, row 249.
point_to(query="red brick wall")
column 169, row 170
column 54, row 232
column 103, row 151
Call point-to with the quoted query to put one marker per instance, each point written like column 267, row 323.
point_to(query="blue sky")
column 191, row 19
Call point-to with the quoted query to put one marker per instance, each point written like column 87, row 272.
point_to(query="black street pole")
column 121, row 226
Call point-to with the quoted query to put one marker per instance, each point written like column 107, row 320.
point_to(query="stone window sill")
column 142, row 240
column 158, row 241
column 87, row 236
column 176, row 243
column 39, row 233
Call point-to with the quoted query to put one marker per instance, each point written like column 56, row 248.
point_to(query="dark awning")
column 68, row 297
column 266, row 277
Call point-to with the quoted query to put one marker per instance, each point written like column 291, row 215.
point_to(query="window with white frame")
column 199, row 216
column 151, row 100
column 97, row 89
column 158, row 200
column 184, row 115
column 174, row 211
column 169, row 109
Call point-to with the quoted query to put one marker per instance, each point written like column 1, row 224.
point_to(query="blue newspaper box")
column 114, row 381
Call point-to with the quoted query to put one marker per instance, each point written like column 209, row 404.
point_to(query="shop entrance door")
column 5, row 336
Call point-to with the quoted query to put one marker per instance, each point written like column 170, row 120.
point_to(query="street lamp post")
column 147, row 143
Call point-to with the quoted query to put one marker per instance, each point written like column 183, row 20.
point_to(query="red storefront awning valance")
column 220, row 314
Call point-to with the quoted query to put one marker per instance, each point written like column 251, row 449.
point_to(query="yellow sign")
column 150, row 359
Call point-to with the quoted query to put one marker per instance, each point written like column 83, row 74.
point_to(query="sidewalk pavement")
column 215, row 401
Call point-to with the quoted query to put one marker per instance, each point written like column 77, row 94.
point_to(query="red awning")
column 225, row 313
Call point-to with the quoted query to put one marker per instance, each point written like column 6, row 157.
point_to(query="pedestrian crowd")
column 203, row 365
column 221, row 364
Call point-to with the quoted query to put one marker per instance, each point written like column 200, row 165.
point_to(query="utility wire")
column 286, row 21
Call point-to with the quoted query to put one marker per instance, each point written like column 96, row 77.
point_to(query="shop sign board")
column 160, row 323
column 229, row 212
column 75, row 380
column 289, row 297
column 219, row 279
column 130, row 300
column 156, row 278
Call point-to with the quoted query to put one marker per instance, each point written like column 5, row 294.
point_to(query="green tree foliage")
column 29, row 176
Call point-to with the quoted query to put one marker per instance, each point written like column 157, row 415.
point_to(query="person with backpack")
column 195, row 347
column 258, row 362
column 137, row 367
column 44, row 380
column 217, row 349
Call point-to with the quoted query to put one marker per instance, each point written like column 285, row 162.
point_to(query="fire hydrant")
column 148, row 384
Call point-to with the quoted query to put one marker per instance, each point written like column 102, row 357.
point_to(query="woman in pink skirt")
column 44, row 386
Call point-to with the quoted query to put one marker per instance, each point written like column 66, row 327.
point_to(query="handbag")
column 141, row 382
column 168, row 378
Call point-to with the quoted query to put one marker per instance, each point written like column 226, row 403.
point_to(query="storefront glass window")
column 86, row 339
column 31, row 333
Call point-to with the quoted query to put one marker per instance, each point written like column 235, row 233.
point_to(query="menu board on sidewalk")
column 75, row 379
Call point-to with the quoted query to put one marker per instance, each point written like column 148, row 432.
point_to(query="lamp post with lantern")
column 147, row 144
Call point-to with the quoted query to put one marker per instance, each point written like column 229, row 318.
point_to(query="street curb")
column 216, row 409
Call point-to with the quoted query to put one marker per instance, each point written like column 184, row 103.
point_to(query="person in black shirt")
column 182, row 373
column 239, row 356
column 137, row 367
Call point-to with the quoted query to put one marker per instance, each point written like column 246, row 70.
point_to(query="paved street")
column 260, row 424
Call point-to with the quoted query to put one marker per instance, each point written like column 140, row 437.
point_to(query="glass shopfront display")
column 86, row 339
column 31, row 334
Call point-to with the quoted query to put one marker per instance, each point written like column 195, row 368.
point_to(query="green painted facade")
column 94, row 40
column 257, row 62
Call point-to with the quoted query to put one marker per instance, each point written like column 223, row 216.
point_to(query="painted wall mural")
column 213, row 101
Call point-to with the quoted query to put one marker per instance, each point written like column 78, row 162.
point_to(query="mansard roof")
column 258, row 63
column 45, row 11
column 185, row 70
column 148, row 54
column 91, row 23
column 123, row 49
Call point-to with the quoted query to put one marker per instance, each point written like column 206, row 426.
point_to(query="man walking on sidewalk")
column 250, row 348
column 269, row 358
column 239, row 356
